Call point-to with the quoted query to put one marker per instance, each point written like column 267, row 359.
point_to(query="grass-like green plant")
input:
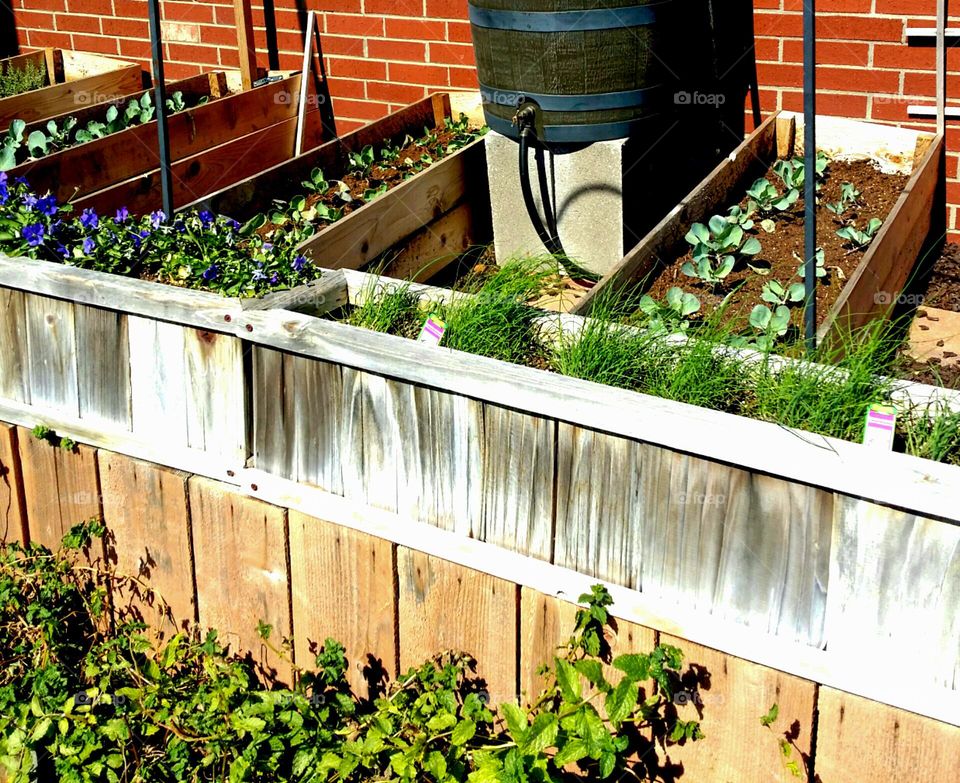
column 932, row 434
column 498, row 322
column 397, row 311
column 14, row 80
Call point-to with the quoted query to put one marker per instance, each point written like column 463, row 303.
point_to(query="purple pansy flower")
column 89, row 219
column 21, row 180
column 158, row 217
column 211, row 273
column 4, row 191
column 88, row 245
column 275, row 279
column 30, row 200
column 298, row 263
column 62, row 250
column 47, row 205
column 206, row 217
column 33, row 234
column 122, row 214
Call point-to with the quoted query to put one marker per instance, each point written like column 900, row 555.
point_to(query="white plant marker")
column 880, row 426
column 432, row 331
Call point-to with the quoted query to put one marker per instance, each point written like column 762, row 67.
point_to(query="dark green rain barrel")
column 593, row 67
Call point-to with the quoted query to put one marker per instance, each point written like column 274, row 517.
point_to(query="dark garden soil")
column 391, row 175
column 782, row 251
column 943, row 290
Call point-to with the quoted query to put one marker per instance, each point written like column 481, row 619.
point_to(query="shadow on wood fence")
column 227, row 560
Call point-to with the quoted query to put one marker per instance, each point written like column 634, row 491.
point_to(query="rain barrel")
column 593, row 67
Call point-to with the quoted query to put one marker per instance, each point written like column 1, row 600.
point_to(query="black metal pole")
column 810, row 168
column 160, row 101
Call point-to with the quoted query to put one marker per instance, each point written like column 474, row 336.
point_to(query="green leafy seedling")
column 743, row 216
column 361, row 163
column 317, row 183
column 672, row 315
column 768, row 198
column 372, row 193
column 860, row 239
column 776, row 293
column 849, row 195
column 715, row 249
column 821, row 270
column 772, row 324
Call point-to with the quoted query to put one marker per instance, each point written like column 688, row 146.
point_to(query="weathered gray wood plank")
column 894, row 591
column 158, row 382
column 351, row 438
column 216, row 397
column 14, row 370
column 52, row 354
column 518, row 465
column 600, row 512
column 743, row 546
column 318, row 424
column 269, row 425
column 103, row 347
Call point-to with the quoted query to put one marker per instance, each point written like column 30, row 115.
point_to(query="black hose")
column 547, row 233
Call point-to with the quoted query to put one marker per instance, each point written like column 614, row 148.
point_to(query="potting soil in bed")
column 782, row 251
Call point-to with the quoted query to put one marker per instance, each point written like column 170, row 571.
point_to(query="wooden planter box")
column 808, row 543
column 389, row 220
column 891, row 257
column 212, row 146
column 85, row 168
column 76, row 80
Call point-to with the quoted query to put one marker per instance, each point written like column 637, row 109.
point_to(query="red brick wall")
column 382, row 54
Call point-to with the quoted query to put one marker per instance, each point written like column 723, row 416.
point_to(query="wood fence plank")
column 60, row 487
column 158, row 383
column 732, row 695
column 748, row 547
column 447, row 607
column 895, row 580
column 380, row 446
column 351, row 442
column 600, row 513
column 147, row 511
column 319, row 421
column 861, row 741
column 343, row 588
column 52, row 354
column 269, row 427
column 215, row 393
column 518, row 465
column 432, row 249
column 240, row 555
column 14, row 359
column 103, row 366
column 13, row 518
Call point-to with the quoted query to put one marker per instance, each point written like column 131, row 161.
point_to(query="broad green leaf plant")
column 716, row 249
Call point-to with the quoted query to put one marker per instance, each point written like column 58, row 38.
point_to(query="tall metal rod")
column 941, row 67
column 810, row 171
column 160, row 101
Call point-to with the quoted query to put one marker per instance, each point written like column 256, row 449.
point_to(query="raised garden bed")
column 212, row 147
column 859, row 283
column 84, row 151
column 72, row 80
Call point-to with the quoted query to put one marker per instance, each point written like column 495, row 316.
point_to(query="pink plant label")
column 432, row 331
column 880, row 427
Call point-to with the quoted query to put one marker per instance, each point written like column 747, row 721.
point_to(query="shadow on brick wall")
column 8, row 31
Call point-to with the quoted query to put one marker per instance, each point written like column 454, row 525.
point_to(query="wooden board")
column 214, row 168
column 215, row 389
column 879, row 278
column 103, row 366
column 14, row 358
column 60, row 487
column 751, row 157
column 87, row 168
column 123, row 79
column 362, row 236
column 431, row 250
column 517, row 481
column 860, row 741
column 243, row 18
column 343, row 588
column 146, row 510
column 479, row 617
column 743, row 546
column 240, row 551
column 52, row 354
column 13, row 518
column 158, row 380
column 731, row 695
column 894, row 580
column 600, row 505
column 248, row 197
